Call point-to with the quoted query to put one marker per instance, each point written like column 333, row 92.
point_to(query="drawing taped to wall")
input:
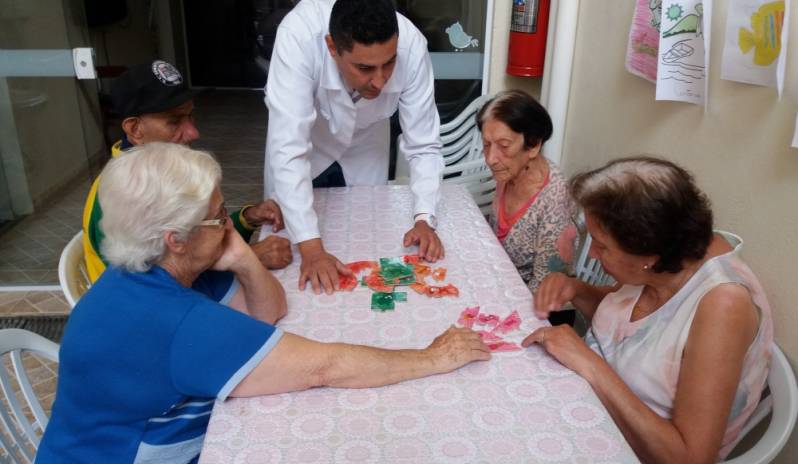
column 753, row 42
column 683, row 58
column 643, row 48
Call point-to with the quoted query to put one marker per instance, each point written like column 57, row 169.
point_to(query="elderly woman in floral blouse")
column 532, row 213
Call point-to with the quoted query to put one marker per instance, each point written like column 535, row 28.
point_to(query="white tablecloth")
column 518, row 407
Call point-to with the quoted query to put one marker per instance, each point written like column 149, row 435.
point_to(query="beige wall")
column 498, row 78
column 739, row 149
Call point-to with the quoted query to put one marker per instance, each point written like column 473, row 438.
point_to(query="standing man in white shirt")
column 338, row 72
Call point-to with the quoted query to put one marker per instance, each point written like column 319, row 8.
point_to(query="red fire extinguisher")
column 530, row 24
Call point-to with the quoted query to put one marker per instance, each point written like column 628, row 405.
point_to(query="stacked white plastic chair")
column 462, row 156
column 22, row 416
column 781, row 404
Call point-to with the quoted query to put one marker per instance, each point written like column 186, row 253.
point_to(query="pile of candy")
column 384, row 276
column 471, row 317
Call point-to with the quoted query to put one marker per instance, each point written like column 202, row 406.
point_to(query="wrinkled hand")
column 265, row 212
column 554, row 291
column 457, row 347
column 273, row 252
column 429, row 245
column 566, row 346
column 236, row 251
column 319, row 268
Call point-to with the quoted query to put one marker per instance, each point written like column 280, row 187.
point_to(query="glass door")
column 50, row 136
column 455, row 33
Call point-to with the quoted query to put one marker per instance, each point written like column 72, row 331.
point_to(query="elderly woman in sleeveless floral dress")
column 532, row 213
column 679, row 349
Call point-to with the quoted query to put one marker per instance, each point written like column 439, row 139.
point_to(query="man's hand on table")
column 457, row 347
column 265, row 212
column 319, row 267
column 273, row 252
column 429, row 245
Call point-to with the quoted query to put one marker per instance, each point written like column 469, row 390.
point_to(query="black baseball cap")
column 149, row 88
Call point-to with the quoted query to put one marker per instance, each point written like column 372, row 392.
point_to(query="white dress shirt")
column 313, row 121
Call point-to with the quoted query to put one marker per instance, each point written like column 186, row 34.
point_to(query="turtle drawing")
column 685, row 24
column 458, row 37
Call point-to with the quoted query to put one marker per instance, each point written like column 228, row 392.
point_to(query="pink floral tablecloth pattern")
column 518, row 407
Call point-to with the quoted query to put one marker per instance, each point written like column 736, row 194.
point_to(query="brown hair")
column 521, row 113
column 650, row 206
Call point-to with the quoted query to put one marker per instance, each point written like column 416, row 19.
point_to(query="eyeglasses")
column 214, row 222
column 219, row 221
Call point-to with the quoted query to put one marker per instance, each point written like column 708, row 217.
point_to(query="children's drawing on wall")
column 458, row 37
column 753, row 41
column 642, row 51
column 683, row 45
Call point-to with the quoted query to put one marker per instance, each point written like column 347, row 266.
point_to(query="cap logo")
column 166, row 73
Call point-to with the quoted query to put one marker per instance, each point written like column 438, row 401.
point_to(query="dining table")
column 519, row 406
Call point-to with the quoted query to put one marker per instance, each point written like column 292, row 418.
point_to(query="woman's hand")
column 566, row 346
column 236, row 251
column 456, row 347
column 555, row 290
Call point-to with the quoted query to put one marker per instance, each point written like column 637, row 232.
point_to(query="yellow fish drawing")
column 765, row 34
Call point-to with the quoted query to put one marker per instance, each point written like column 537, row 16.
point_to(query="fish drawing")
column 765, row 34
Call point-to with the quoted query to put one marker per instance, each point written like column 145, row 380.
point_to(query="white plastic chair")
column 22, row 416
column 781, row 404
column 587, row 269
column 462, row 156
column 72, row 274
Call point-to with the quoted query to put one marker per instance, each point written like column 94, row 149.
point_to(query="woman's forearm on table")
column 357, row 366
column 304, row 364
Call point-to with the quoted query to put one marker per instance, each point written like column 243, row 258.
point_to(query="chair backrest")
column 22, row 417
column 72, row 273
column 781, row 404
column 462, row 156
column 587, row 269
column 460, row 137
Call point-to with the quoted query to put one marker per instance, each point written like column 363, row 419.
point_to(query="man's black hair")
column 363, row 21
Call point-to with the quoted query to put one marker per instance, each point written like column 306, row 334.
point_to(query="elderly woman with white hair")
column 147, row 350
column 679, row 350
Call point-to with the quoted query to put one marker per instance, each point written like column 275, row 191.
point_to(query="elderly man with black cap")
column 156, row 105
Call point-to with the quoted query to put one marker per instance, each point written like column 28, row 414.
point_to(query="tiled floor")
column 30, row 250
column 232, row 125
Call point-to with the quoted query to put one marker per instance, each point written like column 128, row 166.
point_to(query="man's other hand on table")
column 429, row 245
column 320, row 268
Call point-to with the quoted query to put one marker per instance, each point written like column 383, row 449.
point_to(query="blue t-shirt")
column 141, row 362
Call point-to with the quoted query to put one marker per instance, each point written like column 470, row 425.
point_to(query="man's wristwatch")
column 430, row 219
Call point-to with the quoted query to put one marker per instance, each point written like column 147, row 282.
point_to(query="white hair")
column 147, row 191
